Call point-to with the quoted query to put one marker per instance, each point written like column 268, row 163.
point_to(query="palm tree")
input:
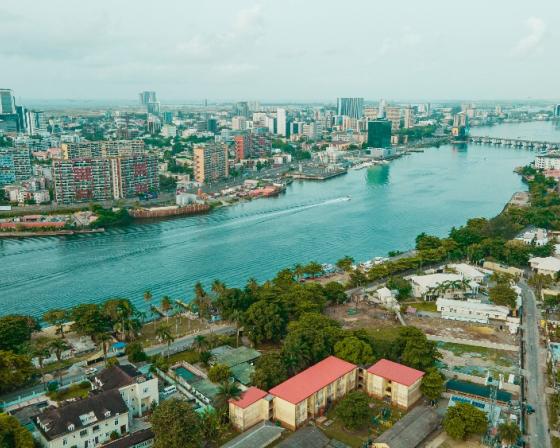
column 40, row 350
column 226, row 391
column 148, row 295
column 199, row 343
column 57, row 346
column 218, row 287
column 298, row 271
column 237, row 317
column 509, row 433
column 178, row 310
column 103, row 339
column 164, row 334
column 166, row 306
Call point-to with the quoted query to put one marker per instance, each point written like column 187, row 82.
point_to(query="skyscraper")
column 7, row 101
column 557, row 110
column 351, row 107
column 241, row 108
column 281, row 122
column 148, row 96
column 379, row 134
column 15, row 165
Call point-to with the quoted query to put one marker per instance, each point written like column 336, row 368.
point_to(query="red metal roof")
column 306, row 383
column 250, row 396
column 396, row 372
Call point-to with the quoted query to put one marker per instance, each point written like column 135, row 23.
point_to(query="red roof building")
column 311, row 380
column 249, row 397
column 393, row 371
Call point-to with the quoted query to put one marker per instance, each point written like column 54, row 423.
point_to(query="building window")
column 116, row 422
column 96, row 428
column 83, row 433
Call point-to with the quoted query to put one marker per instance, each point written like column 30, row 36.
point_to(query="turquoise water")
column 390, row 205
column 186, row 374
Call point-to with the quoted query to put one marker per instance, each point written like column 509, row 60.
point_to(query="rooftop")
column 115, row 377
column 306, row 383
column 396, row 372
column 546, row 263
column 132, row 440
column 249, row 397
column 411, row 430
column 234, row 356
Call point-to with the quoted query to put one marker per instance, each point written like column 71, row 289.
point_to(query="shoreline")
column 49, row 233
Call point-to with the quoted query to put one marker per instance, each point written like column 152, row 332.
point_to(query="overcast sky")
column 281, row 50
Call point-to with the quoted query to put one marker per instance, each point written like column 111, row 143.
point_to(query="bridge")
column 515, row 143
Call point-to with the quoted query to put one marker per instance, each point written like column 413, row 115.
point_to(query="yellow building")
column 252, row 407
column 393, row 380
column 307, row 394
column 210, row 163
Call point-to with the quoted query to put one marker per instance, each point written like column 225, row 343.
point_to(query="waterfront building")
column 134, row 176
column 251, row 144
column 7, row 101
column 548, row 162
column 210, row 162
column 350, row 107
column 281, row 122
column 379, row 134
column 138, row 391
column 15, row 165
column 85, row 423
column 396, row 382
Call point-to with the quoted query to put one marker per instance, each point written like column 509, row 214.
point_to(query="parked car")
column 91, row 371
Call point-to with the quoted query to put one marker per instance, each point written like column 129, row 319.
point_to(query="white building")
column 468, row 272
column 471, row 311
column 538, row 237
column 85, row 423
column 281, row 122
column 548, row 162
column 432, row 286
column 545, row 265
column 238, row 123
column 138, row 391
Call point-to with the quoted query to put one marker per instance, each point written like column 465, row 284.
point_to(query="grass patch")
column 388, row 334
column 190, row 356
column 501, row 358
column 423, row 306
column 180, row 326
column 80, row 390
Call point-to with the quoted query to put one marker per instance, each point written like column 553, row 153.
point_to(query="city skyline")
column 258, row 50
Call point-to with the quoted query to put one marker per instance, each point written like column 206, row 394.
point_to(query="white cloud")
column 531, row 42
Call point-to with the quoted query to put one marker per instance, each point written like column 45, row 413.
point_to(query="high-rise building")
column 393, row 114
column 15, row 165
column 408, row 118
column 210, row 162
column 105, row 148
column 104, row 178
column 241, row 108
column 239, row 123
column 212, row 125
column 168, row 117
column 251, row 144
column 7, row 101
column 379, row 134
column 148, row 96
column 9, row 123
column 557, row 110
column 382, row 106
column 23, row 119
column 281, row 122
column 350, row 107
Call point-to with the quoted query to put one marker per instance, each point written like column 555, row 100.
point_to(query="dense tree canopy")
column 353, row 410
column 270, row 370
column 176, row 425
column 354, row 350
column 15, row 370
column 15, row 331
column 13, row 435
column 464, row 420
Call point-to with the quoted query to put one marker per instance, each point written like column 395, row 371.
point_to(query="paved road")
column 535, row 367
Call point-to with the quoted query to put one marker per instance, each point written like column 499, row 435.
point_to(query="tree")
column 313, row 269
column 353, row 410
column 57, row 317
column 164, row 335
column 166, row 306
column 227, row 391
column 345, row 263
column 200, row 343
column 335, row 293
column 270, row 370
column 16, row 331
column 103, row 339
column 503, row 294
column 202, row 301
column 463, row 420
column 432, row 384
column 219, row 373
column 148, row 295
column 13, row 435
column 539, row 281
column 424, row 242
column 57, row 346
column 211, row 425
column 415, row 350
column 135, row 352
column 40, row 350
column 89, row 320
column 176, row 425
column 402, row 285
column 264, row 321
column 15, row 370
column 509, row 432
column 205, row 357
column 354, row 350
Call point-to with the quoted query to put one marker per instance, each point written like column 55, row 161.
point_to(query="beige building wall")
column 244, row 418
column 401, row 396
column 285, row 412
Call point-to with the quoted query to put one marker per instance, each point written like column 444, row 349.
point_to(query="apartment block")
column 210, row 163
column 15, row 165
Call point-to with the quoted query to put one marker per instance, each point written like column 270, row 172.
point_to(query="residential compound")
column 101, row 171
column 307, row 394
column 15, row 165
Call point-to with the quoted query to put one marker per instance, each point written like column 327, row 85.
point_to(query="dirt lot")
column 362, row 316
column 464, row 330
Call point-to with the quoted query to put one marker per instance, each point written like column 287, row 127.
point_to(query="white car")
column 91, row 371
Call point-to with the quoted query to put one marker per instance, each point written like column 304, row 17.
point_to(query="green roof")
column 205, row 387
column 234, row 356
column 477, row 389
column 242, row 373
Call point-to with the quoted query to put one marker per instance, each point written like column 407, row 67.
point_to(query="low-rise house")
column 471, row 311
column 307, row 394
column 545, row 265
column 432, row 286
column 469, row 272
column 250, row 408
column 137, row 390
column 538, row 237
column 399, row 383
column 503, row 269
column 140, row 439
column 84, row 423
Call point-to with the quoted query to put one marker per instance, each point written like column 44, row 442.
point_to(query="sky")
column 281, row 50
